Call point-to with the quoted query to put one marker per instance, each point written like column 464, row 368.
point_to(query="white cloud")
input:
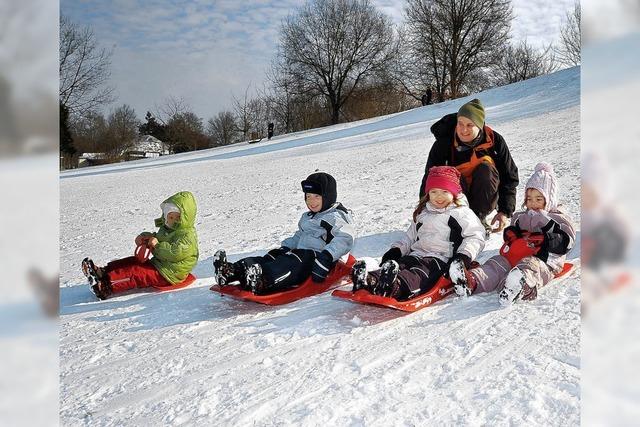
column 203, row 51
column 539, row 21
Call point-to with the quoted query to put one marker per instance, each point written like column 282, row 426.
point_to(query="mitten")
column 392, row 254
column 511, row 233
column 538, row 240
column 322, row 266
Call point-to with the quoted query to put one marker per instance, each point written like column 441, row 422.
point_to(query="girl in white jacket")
column 443, row 228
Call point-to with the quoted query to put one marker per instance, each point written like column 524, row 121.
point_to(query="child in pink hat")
column 550, row 233
column 443, row 228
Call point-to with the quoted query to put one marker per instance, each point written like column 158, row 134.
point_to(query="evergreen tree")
column 66, row 140
column 152, row 127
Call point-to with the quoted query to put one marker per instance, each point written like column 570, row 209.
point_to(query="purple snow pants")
column 491, row 275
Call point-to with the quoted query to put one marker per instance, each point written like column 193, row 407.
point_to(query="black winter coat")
column 443, row 154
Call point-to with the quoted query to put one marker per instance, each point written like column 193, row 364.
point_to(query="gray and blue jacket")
column 329, row 230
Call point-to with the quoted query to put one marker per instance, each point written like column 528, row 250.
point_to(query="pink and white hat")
column 544, row 180
column 445, row 178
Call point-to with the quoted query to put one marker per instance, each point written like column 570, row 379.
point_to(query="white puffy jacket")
column 441, row 233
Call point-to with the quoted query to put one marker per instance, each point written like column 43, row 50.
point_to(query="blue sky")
column 207, row 51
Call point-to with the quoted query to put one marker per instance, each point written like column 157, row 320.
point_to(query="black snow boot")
column 224, row 270
column 359, row 275
column 388, row 275
column 98, row 281
column 254, row 279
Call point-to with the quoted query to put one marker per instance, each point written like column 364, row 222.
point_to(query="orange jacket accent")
column 466, row 169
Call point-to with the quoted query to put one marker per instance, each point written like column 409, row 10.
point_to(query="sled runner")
column 143, row 253
column 440, row 290
column 306, row 289
column 186, row 282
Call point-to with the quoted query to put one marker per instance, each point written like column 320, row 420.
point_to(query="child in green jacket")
column 174, row 248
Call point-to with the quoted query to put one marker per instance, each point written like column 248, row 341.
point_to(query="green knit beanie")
column 474, row 111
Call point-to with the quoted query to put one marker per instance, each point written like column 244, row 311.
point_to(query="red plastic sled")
column 307, row 289
column 186, row 282
column 442, row 288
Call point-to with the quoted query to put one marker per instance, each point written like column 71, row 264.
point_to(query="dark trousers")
column 285, row 271
column 417, row 275
column 483, row 192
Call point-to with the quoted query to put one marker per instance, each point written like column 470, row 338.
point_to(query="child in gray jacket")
column 324, row 235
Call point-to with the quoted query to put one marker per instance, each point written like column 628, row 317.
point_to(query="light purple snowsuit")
column 491, row 275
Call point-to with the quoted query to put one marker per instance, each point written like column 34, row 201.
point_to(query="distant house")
column 145, row 147
column 92, row 159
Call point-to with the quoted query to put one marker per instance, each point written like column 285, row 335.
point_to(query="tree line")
column 336, row 61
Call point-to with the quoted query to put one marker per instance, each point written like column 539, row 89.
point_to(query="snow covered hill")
column 191, row 357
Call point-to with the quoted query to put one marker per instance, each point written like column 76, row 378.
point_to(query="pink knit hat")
column 544, row 180
column 444, row 177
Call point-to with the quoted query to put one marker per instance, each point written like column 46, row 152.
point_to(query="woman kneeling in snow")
column 443, row 228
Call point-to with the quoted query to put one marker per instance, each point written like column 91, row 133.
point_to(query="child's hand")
column 511, row 233
column 394, row 254
column 536, row 239
column 141, row 240
column 152, row 242
column 322, row 266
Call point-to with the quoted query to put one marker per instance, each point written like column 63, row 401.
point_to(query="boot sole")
column 387, row 277
column 359, row 275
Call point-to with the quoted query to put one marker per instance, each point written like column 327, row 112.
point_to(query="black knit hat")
column 323, row 184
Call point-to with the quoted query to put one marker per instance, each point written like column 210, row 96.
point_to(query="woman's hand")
column 502, row 220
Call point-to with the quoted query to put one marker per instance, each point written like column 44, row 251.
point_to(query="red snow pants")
column 129, row 273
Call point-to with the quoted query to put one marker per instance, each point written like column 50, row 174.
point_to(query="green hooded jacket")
column 176, row 253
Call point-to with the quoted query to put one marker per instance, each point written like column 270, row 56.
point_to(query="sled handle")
column 142, row 253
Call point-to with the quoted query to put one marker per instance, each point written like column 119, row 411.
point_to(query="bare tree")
column 289, row 104
column 418, row 64
column 185, row 132
column 280, row 93
column 171, row 106
column 455, row 40
column 250, row 115
column 376, row 98
column 222, row 128
column 89, row 132
column 522, row 62
column 332, row 45
column 84, row 69
column 122, row 128
column 570, row 42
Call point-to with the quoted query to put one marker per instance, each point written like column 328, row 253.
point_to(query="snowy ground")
column 191, row 357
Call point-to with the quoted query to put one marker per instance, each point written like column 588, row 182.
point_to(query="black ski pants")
column 483, row 192
column 417, row 275
column 285, row 271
